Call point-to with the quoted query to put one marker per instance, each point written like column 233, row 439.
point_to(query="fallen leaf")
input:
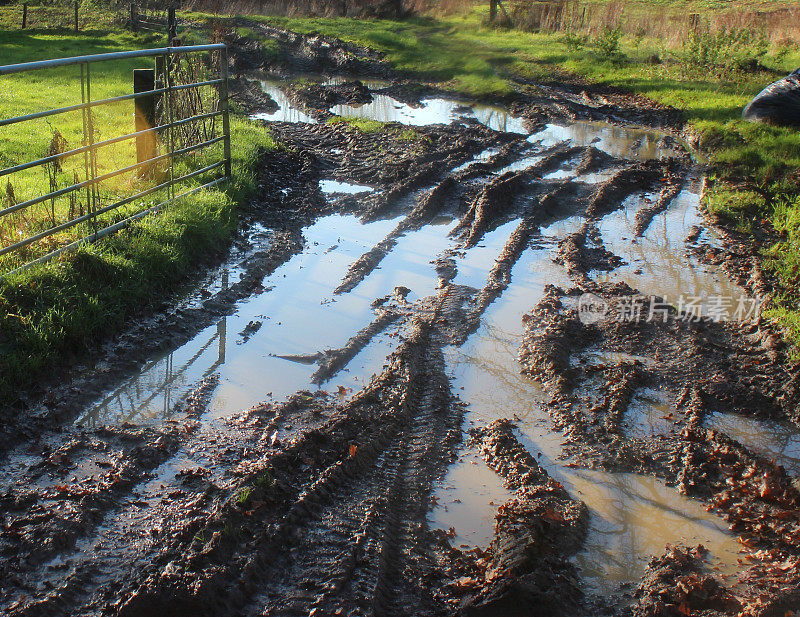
column 353, row 449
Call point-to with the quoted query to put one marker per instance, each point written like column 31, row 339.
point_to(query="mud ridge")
column 497, row 197
column 427, row 207
column 334, row 360
column 534, row 533
column 631, row 179
column 646, row 215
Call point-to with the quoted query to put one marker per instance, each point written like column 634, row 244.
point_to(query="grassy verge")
column 53, row 312
column 709, row 78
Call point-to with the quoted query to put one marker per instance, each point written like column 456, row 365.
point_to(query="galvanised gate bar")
column 168, row 180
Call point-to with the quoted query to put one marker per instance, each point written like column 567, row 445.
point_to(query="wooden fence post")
column 24, row 15
column 144, row 80
column 172, row 25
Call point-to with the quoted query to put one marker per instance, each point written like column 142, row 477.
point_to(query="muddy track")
column 321, row 504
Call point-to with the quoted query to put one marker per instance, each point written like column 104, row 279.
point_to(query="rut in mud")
column 391, row 400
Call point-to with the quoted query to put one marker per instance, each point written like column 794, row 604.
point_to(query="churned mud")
column 466, row 359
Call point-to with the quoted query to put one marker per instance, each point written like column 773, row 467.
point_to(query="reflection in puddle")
column 649, row 414
column 468, row 498
column 775, row 440
column 295, row 315
column 657, row 263
column 622, row 142
column 286, row 111
column 162, row 382
column 632, row 517
column 384, row 108
column 338, row 80
column 334, row 186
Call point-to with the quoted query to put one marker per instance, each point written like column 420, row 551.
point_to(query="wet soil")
column 450, row 366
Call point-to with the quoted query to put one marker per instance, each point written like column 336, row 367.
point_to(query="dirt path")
column 322, row 502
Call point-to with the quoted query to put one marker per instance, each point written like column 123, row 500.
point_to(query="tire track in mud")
column 85, row 533
column 319, row 505
column 402, row 444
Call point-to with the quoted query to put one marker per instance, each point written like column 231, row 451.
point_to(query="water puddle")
column 658, row 263
column 384, row 108
column 467, row 501
column 481, row 157
column 649, row 414
column 775, row 440
column 621, row 142
column 634, row 517
column 338, row 80
column 266, row 349
column 631, row 517
column 332, row 187
column 286, row 111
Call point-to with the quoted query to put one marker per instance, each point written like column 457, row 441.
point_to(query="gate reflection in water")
column 155, row 391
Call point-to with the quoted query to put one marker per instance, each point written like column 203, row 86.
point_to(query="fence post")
column 134, row 18
column 77, row 27
column 145, row 111
column 226, row 129
column 24, row 15
column 172, row 25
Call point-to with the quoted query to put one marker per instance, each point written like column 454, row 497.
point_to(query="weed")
column 266, row 479
column 229, row 530
column 606, row 44
column 243, row 497
column 574, row 41
column 725, row 53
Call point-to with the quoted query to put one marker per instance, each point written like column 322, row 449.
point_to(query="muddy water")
column 774, row 440
column 263, row 351
column 385, row 108
column 267, row 349
column 431, row 111
column 658, row 263
column 632, row 517
column 621, row 142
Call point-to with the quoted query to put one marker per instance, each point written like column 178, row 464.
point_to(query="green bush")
column 606, row 44
column 723, row 54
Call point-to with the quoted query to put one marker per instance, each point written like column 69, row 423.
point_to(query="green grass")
column 53, row 312
column 364, row 125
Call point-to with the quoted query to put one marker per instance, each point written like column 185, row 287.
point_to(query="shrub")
column 606, row 44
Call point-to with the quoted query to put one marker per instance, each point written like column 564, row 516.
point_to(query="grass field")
column 54, row 311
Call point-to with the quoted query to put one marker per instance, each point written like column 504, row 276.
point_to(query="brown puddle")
column 267, row 348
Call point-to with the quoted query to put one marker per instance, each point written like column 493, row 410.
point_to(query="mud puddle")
column 632, row 517
column 775, row 440
column 384, row 108
column 658, row 263
column 312, row 434
column 619, row 141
